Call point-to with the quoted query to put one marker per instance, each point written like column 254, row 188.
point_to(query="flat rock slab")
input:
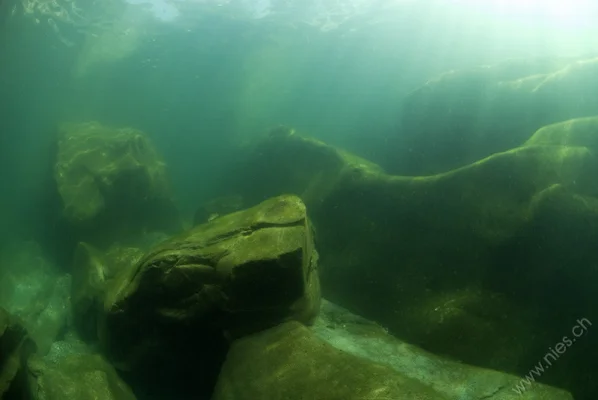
column 344, row 356
column 290, row 363
column 455, row 381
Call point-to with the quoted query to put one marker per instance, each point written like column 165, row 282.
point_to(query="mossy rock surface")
column 112, row 180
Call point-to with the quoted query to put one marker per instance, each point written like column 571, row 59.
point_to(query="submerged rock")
column 112, row 182
column 348, row 357
column 289, row 362
column 463, row 116
column 453, row 380
column 235, row 275
column 71, row 371
column 452, row 262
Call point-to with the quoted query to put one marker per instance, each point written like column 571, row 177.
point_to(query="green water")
column 205, row 79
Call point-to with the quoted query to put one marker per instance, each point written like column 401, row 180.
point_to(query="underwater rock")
column 289, row 362
column 463, row 116
column 444, row 261
column 454, row 380
column 235, row 275
column 71, row 371
column 35, row 291
column 344, row 356
column 15, row 348
column 112, row 182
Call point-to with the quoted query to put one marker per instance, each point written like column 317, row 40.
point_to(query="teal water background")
column 198, row 76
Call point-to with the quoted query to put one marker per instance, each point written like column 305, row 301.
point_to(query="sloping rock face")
column 454, row 380
column 344, row 356
column 473, row 263
column 112, row 182
column 288, row 362
column 238, row 274
column 463, row 116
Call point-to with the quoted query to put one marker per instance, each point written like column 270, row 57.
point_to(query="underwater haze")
column 292, row 199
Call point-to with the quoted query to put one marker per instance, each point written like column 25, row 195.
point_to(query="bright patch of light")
column 161, row 9
column 561, row 13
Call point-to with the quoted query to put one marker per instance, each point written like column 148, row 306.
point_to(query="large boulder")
column 345, row 356
column 234, row 275
column 448, row 261
column 112, row 182
column 463, row 116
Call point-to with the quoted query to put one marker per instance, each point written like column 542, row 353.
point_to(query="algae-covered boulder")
column 237, row 274
column 71, row 371
column 448, row 261
column 15, row 348
column 463, row 116
column 289, row 362
column 112, row 180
